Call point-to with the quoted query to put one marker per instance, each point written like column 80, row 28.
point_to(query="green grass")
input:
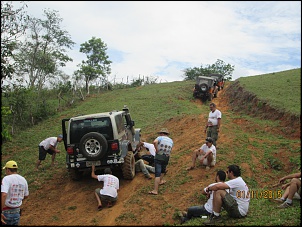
column 281, row 90
column 153, row 105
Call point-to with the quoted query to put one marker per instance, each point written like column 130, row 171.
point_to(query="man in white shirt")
column 236, row 202
column 151, row 152
column 206, row 155
column 49, row 145
column 14, row 188
column 213, row 124
column 207, row 208
column 108, row 194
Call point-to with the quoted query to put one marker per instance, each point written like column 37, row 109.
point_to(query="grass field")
column 155, row 104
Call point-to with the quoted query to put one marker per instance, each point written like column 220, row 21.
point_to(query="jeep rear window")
column 81, row 127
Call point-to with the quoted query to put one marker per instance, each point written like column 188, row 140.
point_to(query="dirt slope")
column 65, row 202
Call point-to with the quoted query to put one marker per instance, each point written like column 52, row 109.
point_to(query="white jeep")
column 106, row 139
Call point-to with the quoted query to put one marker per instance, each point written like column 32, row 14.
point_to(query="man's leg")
column 96, row 193
column 157, row 177
column 294, row 186
column 42, row 156
column 150, row 168
column 194, row 157
column 144, row 169
column 53, row 156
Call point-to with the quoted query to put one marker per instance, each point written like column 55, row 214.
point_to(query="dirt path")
column 68, row 203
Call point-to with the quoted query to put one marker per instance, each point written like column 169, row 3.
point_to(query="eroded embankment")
column 244, row 101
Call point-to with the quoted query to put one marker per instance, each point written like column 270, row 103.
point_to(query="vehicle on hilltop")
column 205, row 88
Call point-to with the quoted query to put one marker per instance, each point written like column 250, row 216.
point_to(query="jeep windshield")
column 79, row 128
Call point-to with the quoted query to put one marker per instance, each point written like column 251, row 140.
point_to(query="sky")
column 160, row 39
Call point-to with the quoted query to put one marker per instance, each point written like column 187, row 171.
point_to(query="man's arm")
column 155, row 143
column 218, row 186
column 3, row 197
column 290, row 176
column 218, row 122
column 92, row 172
column 51, row 147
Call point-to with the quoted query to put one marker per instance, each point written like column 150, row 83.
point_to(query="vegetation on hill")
column 252, row 142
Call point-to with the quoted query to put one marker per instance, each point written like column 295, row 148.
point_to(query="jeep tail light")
column 70, row 150
column 114, row 146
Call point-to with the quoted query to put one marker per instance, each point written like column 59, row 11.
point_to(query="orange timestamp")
column 259, row 194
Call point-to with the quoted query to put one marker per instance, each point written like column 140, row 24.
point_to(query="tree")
column 13, row 25
column 218, row 67
column 42, row 53
column 97, row 63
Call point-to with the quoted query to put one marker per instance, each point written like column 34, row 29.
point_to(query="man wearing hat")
column 206, row 155
column 14, row 189
column 49, row 146
column 163, row 145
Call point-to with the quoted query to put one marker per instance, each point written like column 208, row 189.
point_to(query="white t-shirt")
column 16, row 187
column 213, row 117
column 205, row 149
column 49, row 141
column 150, row 147
column 209, row 204
column 110, row 186
column 240, row 192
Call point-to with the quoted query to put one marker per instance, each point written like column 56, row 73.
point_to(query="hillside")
column 243, row 140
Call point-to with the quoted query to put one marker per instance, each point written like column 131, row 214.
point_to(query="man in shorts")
column 236, row 202
column 49, row 146
column 292, row 190
column 206, row 155
column 108, row 194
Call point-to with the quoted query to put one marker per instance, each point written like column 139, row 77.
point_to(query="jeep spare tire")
column 93, row 146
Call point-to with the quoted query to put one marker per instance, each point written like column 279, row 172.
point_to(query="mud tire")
column 128, row 167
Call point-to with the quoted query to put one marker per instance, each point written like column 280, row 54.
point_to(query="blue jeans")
column 12, row 216
column 197, row 211
column 160, row 167
column 149, row 159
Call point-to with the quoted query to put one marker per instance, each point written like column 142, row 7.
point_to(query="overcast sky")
column 160, row 39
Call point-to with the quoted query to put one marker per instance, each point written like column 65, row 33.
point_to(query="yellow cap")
column 11, row 165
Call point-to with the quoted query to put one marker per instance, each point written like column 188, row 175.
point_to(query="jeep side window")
column 119, row 123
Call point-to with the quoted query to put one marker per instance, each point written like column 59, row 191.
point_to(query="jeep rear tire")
column 128, row 167
column 93, row 146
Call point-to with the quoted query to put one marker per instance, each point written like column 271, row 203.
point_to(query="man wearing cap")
column 206, row 155
column 163, row 146
column 14, row 189
column 49, row 146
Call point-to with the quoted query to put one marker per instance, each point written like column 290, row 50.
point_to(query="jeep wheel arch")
column 93, row 146
column 128, row 167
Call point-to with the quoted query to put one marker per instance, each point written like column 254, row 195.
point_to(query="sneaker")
column 213, row 220
column 279, row 200
column 183, row 220
column 285, row 205
column 208, row 167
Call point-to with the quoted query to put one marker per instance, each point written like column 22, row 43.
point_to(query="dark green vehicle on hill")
column 205, row 88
